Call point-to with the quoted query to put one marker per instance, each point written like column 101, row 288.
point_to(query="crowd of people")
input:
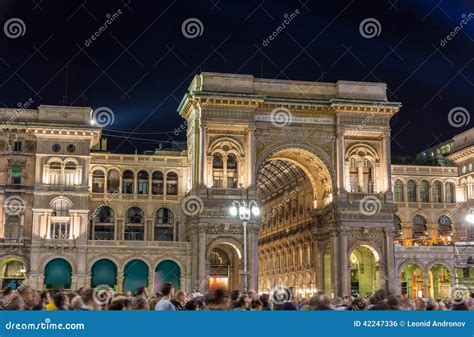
column 104, row 298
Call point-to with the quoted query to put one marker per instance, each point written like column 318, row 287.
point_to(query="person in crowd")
column 218, row 301
column 265, row 299
column 61, row 301
column 167, row 291
column 179, row 300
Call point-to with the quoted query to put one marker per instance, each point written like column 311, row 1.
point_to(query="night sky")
column 141, row 65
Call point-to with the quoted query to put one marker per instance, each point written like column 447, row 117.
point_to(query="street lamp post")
column 245, row 211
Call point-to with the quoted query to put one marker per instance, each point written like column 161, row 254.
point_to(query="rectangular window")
column 17, row 146
column 16, row 174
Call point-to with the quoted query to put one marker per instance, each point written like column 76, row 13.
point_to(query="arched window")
column 368, row 177
column 445, row 225
column 232, row 176
column 142, row 182
column 450, row 193
column 60, row 208
column 104, row 223
column 424, row 191
column 60, row 220
column 127, row 182
column 164, row 225
column 98, row 180
column 172, row 183
column 437, row 192
column 217, row 171
column 113, row 181
column 419, row 226
column 54, row 173
column 157, row 183
column 411, row 191
column 354, row 175
column 399, row 193
column 134, row 224
column 12, row 227
column 71, row 174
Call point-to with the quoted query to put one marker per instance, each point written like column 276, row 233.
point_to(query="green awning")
column 57, row 274
column 104, row 272
column 167, row 271
column 135, row 275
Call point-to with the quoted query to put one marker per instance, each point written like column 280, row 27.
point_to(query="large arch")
column 311, row 160
column 412, row 276
column 364, row 270
column 224, row 256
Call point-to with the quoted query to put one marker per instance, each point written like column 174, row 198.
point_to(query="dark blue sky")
column 141, row 66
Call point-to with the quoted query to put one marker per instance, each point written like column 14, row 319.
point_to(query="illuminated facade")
column 336, row 215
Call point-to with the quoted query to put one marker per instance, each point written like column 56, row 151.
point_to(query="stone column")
column 390, row 260
column 251, row 156
column 425, row 284
column 319, row 258
column 335, row 264
column 119, row 285
column 386, row 168
column 253, row 256
column 344, row 264
column 340, row 159
column 202, row 154
column 202, row 252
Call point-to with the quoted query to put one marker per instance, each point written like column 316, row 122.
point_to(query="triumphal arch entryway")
column 316, row 158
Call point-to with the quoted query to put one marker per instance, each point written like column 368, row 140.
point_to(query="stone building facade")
column 335, row 214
